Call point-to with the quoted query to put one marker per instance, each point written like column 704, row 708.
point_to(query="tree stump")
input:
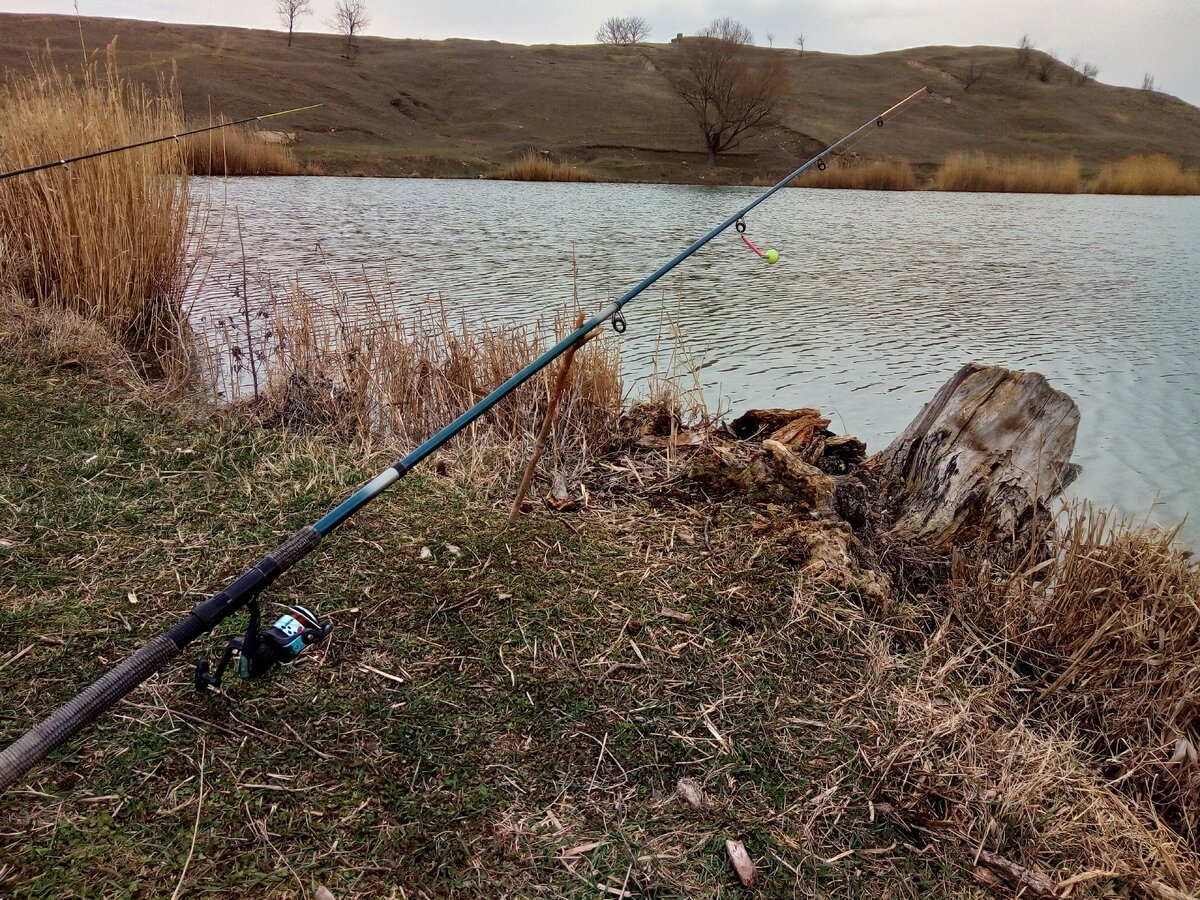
column 991, row 448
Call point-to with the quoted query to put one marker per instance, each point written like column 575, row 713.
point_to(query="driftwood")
column 992, row 447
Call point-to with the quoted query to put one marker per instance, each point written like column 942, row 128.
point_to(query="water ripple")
column 877, row 298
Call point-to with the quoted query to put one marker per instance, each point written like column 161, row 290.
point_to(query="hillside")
column 459, row 107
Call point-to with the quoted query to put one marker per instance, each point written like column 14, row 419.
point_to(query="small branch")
column 1026, row 881
column 551, row 409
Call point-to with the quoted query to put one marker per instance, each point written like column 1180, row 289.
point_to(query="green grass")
column 546, row 705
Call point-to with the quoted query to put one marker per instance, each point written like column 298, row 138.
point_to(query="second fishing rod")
column 257, row 652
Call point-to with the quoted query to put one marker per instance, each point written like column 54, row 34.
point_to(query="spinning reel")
column 258, row 652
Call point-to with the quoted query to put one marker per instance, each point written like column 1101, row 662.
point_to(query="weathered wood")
column 992, row 445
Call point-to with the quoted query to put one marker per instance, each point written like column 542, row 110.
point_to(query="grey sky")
column 1125, row 38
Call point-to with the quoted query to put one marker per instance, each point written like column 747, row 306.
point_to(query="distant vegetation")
column 1146, row 175
column 866, row 176
column 535, row 167
column 623, row 30
column 730, row 96
column 238, row 151
column 984, row 172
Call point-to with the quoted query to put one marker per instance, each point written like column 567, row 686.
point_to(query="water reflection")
column 877, row 299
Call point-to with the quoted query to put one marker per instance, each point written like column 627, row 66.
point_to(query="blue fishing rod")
column 257, row 652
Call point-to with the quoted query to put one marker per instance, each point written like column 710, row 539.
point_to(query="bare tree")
column 1084, row 71
column 1025, row 53
column 1147, row 82
column 974, row 72
column 727, row 29
column 800, row 42
column 770, row 39
column 623, row 30
column 349, row 18
column 289, row 11
column 729, row 94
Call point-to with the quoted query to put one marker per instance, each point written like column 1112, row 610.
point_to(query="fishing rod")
column 157, row 140
column 298, row 628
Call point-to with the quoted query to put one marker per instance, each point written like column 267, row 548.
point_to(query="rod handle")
column 58, row 727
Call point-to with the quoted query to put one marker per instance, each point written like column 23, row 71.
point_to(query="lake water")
column 876, row 300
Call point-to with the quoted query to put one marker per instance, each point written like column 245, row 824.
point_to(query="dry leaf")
column 581, row 849
column 675, row 614
column 743, row 865
column 425, row 553
column 690, row 792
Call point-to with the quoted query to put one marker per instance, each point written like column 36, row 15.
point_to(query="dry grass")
column 1109, row 622
column 374, row 376
column 1155, row 174
column 107, row 238
column 61, row 339
column 238, row 151
column 1053, row 717
column 959, row 758
column 891, row 175
column 535, row 167
column 984, row 172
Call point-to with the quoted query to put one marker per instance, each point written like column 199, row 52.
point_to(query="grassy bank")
column 512, row 713
column 509, row 715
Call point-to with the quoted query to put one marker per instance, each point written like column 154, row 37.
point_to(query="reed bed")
column 106, row 239
column 889, row 175
column 1108, row 617
column 238, row 151
column 535, row 167
column 1155, row 174
column 371, row 376
column 985, row 172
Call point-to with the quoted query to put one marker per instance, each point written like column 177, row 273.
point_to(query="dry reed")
column 106, row 238
column 535, row 167
column 984, row 172
column 238, row 151
column 958, row 757
column 1109, row 622
column 1155, row 174
column 891, row 175
column 371, row 376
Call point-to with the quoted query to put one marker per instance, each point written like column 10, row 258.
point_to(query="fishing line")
column 147, row 143
column 300, row 629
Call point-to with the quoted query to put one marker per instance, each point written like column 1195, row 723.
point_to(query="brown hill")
column 459, row 107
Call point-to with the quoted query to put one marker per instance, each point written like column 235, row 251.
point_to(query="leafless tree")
column 1025, row 53
column 800, row 42
column 727, row 29
column 729, row 94
column 623, row 30
column 1084, row 71
column 289, row 11
column 770, row 39
column 975, row 71
column 1147, row 82
column 349, row 18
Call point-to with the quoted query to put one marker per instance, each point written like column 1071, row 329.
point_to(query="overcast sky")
column 1125, row 38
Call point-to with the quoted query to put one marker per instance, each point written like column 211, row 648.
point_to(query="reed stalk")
column 106, row 239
